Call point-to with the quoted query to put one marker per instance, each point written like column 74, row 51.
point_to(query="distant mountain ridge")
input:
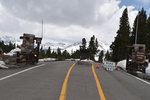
column 8, row 39
column 73, row 46
column 70, row 47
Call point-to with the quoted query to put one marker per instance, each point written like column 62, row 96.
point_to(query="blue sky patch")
column 138, row 4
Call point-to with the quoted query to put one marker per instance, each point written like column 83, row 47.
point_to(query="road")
column 64, row 81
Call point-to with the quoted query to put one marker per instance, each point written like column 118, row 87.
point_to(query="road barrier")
column 109, row 66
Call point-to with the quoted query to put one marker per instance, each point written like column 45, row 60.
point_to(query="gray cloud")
column 64, row 20
column 59, row 12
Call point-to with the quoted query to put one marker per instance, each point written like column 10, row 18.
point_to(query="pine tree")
column 96, row 45
column 107, row 56
column 92, row 47
column 101, row 55
column 58, row 51
column 140, row 20
column 122, row 39
column 83, row 43
column 76, row 54
column 41, row 53
column 148, row 33
column 65, row 54
column 48, row 53
column 53, row 55
column 7, row 47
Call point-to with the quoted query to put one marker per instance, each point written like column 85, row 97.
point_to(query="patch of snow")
column 77, row 59
column 7, row 39
column 47, row 59
column 86, row 60
column 12, row 52
column 147, row 71
column 96, row 57
column 72, row 49
column 2, row 65
column 122, row 64
column 54, row 45
column 103, row 46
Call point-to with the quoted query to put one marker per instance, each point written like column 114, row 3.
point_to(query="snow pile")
column 147, row 71
column 2, row 65
column 122, row 64
column 12, row 52
column 96, row 57
column 86, row 60
column 47, row 59
column 77, row 59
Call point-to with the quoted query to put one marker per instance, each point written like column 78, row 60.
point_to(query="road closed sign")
column 108, row 65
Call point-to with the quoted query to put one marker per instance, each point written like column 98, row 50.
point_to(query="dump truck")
column 136, row 58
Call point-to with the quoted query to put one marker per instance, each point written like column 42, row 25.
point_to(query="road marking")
column 139, row 79
column 20, row 72
column 100, row 91
column 64, row 86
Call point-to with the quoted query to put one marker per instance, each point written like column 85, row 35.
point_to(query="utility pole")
column 136, row 28
column 42, row 28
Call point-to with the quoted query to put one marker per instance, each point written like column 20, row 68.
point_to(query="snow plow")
column 28, row 53
column 136, row 58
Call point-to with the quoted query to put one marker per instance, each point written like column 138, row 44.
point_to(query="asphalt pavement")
column 48, row 81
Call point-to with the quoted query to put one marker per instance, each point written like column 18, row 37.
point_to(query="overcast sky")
column 66, row 20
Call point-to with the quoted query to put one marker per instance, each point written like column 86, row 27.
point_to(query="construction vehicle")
column 29, row 51
column 136, row 58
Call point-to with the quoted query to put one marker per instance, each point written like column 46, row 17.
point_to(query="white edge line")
column 139, row 79
column 20, row 72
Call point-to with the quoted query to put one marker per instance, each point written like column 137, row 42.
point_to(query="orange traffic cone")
column 97, row 66
column 116, row 68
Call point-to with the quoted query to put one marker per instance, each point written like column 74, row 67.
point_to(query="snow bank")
column 147, row 71
column 122, row 64
column 77, row 59
column 86, row 60
column 12, row 52
column 47, row 59
column 2, row 65
column 96, row 57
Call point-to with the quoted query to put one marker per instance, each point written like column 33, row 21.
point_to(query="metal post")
column 42, row 28
column 136, row 28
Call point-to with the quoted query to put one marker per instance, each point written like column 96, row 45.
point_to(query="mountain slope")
column 73, row 47
column 70, row 47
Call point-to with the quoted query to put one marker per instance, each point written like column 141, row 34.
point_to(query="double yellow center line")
column 100, row 91
column 64, row 87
